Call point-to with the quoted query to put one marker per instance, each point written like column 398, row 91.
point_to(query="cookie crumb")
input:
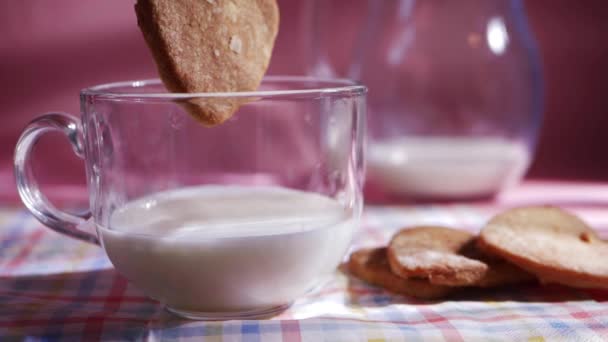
column 585, row 237
column 216, row 52
column 236, row 44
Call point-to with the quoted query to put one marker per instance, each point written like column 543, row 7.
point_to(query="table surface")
column 55, row 288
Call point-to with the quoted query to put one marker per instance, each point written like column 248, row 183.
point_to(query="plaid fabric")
column 54, row 288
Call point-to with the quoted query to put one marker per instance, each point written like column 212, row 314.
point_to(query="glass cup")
column 231, row 221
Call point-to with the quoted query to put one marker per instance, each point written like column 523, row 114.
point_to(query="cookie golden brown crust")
column 371, row 265
column 210, row 46
column 435, row 253
column 552, row 244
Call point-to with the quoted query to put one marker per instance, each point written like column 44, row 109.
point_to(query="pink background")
column 49, row 50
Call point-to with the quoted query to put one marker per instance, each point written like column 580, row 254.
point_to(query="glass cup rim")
column 328, row 87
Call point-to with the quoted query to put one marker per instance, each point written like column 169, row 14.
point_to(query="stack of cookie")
column 517, row 246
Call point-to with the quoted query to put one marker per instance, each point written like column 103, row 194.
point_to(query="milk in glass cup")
column 231, row 221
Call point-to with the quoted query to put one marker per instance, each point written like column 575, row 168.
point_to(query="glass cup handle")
column 60, row 221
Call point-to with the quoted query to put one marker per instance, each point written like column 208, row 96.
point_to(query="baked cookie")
column 552, row 244
column 449, row 257
column 435, row 253
column 371, row 265
column 203, row 46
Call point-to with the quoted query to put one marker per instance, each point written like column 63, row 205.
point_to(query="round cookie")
column 203, row 46
column 435, row 253
column 371, row 265
column 552, row 244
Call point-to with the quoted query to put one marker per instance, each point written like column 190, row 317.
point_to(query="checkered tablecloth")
column 54, row 288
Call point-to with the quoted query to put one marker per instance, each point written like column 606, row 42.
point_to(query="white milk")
column 228, row 248
column 446, row 167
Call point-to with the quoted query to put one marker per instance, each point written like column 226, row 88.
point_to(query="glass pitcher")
column 455, row 90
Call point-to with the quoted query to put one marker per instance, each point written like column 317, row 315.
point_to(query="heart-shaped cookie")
column 434, row 253
column 203, row 46
column 449, row 257
column 371, row 265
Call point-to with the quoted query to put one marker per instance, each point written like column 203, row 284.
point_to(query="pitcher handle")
column 37, row 203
